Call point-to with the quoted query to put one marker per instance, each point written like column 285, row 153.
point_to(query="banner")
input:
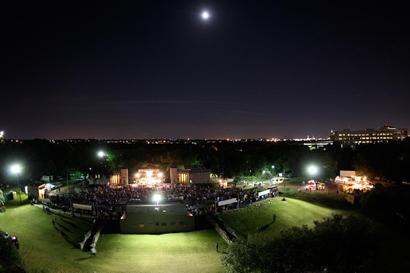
column 227, row 202
column 82, row 206
column 262, row 193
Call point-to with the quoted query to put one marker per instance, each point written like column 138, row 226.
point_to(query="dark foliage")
column 386, row 160
column 388, row 205
column 338, row 244
column 10, row 261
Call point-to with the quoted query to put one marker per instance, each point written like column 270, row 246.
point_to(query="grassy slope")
column 328, row 198
column 180, row 252
column 289, row 213
column 44, row 250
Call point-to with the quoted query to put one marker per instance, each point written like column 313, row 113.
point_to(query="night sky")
column 146, row 69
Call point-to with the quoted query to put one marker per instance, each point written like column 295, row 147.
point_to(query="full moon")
column 205, row 15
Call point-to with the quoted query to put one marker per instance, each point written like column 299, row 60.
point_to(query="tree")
column 242, row 257
column 10, row 261
column 2, row 199
column 337, row 244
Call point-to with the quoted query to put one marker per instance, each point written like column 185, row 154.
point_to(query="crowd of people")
column 111, row 203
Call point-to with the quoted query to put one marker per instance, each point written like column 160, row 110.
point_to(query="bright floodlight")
column 156, row 198
column 160, row 175
column 312, row 170
column 101, row 154
column 205, row 15
column 15, row 169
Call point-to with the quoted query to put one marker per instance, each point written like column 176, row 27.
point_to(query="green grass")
column 43, row 249
column 292, row 212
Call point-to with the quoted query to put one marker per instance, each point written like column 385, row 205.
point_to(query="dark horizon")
column 150, row 69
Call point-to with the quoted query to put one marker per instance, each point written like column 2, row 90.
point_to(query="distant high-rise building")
column 367, row 136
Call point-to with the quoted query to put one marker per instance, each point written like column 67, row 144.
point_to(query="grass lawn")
column 44, row 250
column 327, row 199
column 291, row 212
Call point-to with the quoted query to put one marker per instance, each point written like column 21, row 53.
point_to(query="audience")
column 110, row 202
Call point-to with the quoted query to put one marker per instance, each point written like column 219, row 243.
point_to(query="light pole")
column 313, row 171
column 16, row 169
column 103, row 158
column 284, row 186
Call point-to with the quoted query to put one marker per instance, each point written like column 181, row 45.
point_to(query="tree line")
column 229, row 159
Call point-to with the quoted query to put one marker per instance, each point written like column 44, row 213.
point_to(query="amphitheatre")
column 52, row 235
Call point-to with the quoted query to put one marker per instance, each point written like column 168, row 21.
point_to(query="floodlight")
column 15, row 169
column 160, row 175
column 312, row 170
column 101, row 154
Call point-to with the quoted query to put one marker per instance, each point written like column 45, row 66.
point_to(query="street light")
column 16, row 169
column 157, row 197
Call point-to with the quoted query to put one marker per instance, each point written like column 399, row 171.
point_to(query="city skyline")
column 161, row 70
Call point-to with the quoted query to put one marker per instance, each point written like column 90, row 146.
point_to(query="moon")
column 205, row 15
